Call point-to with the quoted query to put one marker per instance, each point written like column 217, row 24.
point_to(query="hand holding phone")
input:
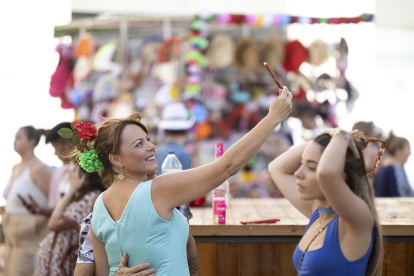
column 29, row 207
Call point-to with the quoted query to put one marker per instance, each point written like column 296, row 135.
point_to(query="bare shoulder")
column 40, row 167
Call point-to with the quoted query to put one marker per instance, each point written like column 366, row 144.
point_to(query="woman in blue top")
column 325, row 179
column 139, row 218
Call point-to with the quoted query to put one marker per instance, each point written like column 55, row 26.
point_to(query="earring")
column 121, row 175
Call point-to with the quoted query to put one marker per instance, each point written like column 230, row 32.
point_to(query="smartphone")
column 25, row 203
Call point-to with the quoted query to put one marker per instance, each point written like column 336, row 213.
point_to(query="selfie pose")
column 140, row 218
column 326, row 180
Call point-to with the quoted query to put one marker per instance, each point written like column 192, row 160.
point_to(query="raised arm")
column 330, row 174
column 175, row 189
column 282, row 171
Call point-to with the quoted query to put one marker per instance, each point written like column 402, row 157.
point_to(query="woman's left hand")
column 76, row 178
column 348, row 136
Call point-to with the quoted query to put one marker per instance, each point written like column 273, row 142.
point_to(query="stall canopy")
column 316, row 8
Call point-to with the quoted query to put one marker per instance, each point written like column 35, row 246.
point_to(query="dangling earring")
column 121, row 175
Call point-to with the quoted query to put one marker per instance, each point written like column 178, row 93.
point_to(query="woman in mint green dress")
column 139, row 218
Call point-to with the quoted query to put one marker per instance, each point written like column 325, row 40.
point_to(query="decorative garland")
column 283, row 19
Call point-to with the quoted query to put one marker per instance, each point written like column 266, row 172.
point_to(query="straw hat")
column 318, row 52
column 272, row 52
column 220, row 54
column 175, row 116
column 246, row 54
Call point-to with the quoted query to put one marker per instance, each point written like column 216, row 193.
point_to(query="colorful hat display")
column 318, row 53
column 272, row 52
column 295, row 55
column 246, row 54
column 220, row 54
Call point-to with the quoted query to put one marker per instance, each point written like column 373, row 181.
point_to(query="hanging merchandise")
column 280, row 20
column 83, row 68
column 85, row 46
column 103, row 61
column 318, row 52
column 61, row 82
column 220, row 54
column 295, row 55
column 246, row 54
column 106, row 88
column 272, row 52
column 123, row 106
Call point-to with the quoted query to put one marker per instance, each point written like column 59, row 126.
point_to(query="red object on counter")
column 260, row 221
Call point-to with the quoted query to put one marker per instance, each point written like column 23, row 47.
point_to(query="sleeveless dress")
column 19, row 226
column 143, row 235
column 329, row 259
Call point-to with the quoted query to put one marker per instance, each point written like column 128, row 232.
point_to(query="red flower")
column 85, row 130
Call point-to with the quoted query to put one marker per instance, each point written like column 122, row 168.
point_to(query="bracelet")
column 343, row 134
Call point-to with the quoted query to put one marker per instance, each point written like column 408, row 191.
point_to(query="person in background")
column 308, row 116
column 59, row 250
column 391, row 179
column 59, row 183
column 23, row 231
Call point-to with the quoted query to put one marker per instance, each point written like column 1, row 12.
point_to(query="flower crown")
column 88, row 160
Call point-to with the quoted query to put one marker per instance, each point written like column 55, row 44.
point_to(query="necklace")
column 306, row 250
column 326, row 210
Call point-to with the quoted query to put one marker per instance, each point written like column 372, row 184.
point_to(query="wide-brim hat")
column 272, row 52
column 175, row 116
column 318, row 52
column 220, row 54
column 246, row 54
column 295, row 55
column 83, row 68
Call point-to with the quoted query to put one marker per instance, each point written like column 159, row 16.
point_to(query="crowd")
column 108, row 210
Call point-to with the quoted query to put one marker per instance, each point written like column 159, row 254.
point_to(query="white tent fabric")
column 314, row 8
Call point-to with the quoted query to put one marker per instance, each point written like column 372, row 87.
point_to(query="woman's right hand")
column 281, row 106
column 138, row 270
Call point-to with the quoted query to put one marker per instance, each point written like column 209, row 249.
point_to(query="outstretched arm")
column 175, row 189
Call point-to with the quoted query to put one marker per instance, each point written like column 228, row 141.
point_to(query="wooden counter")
column 236, row 249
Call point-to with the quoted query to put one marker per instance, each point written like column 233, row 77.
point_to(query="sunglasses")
column 380, row 153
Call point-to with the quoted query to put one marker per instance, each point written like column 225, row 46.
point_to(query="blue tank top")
column 143, row 235
column 329, row 260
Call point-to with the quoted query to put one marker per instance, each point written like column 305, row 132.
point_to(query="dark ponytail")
column 33, row 133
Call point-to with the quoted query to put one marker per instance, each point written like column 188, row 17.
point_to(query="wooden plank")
column 269, row 259
column 207, row 259
column 410, row 258
column 249, row 259
column 292, row 222
column 286, row 262
column 227, row 259
column 396, row 259
column 384, row 260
